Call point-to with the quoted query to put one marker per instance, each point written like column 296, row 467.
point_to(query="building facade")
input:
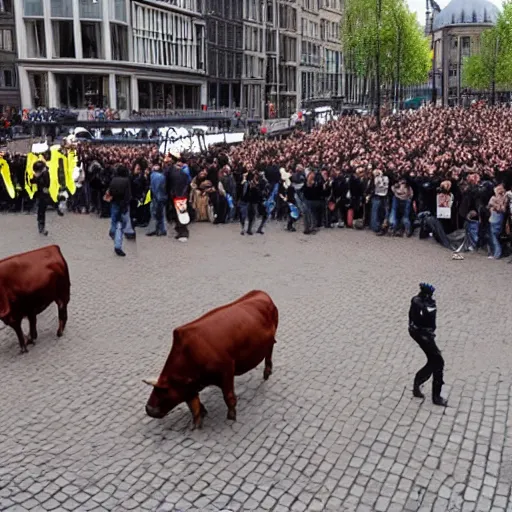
column 120, row 54
column 455, row 33
column 9, row 92
column 304, row 57
column 268, row 58
column 236, row 54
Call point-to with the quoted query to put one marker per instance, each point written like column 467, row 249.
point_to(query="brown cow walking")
column 29, row 283
column 228, row 341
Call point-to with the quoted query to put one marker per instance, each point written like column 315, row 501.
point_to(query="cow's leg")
column 267, row 372
column 198, row 411
column 32, row 320
column 21, row 337
column 228, row 390
column 63, row 317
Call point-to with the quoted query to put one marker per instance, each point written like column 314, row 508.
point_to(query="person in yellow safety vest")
column 30, row 183
column 5, row 172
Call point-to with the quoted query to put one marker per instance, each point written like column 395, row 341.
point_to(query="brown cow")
column 29, row 283
column 228, row 341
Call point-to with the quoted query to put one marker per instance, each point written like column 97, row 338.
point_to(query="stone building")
column 9, row 92
column 123, row 54
column 455, row 32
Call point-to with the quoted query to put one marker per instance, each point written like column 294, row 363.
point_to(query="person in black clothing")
column 121, row 195
column 178, row 184
column 251, row 201
column 422, row 328
column 314, row 197
column 287, row 194
column 339, row 189
column 42, row 180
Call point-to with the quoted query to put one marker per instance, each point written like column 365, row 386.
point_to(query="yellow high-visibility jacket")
column 30, row 187
column 5, row 171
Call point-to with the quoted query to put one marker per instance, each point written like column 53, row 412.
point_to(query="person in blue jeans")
column 497, row 207
column 401, row 208
column 378, row 190
column 120, row 193
column 159, row 197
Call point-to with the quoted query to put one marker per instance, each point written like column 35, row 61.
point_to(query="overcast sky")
column 419, row 7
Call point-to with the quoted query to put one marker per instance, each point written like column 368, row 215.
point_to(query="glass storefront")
column 123, row 92
column 168, row 96
column 82, row 91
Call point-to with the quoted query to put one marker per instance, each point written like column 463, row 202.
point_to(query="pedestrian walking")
column 42, row 180
column 422, row 328
column 119, row 195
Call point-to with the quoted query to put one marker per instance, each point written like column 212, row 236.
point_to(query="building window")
column 91, row 40
column 82, row 91
column 33, row 7
column 119, row 13
column 90, row 10
column 7, row 77
column 96, row 91
column 154, row 95
column 62, row 9
column 6, row 40
column 165, row 38
column 63, row 39
column 39, row 89
column 119, row 35
column 5, row 6
column 123, row 92
column 36, row 46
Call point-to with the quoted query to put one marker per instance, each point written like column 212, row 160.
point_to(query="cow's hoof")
column 31, row 341
column 232, row 415
column 267, row 374
column 60, row 334
column 198, row 425
column 24, row 351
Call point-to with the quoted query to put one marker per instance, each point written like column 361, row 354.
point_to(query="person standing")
column 158, row 187
column 178, row 185
column 422, row 329
column 120, row 195
column 42, row 180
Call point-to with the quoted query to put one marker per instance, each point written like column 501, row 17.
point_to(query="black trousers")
column 42, row 204
column 435, row 362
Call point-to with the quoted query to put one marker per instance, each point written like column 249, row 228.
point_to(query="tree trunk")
column 377, row 62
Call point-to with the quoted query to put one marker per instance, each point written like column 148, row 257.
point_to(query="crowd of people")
column 444, row 171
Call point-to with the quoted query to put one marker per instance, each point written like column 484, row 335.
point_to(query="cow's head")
column 164, row 398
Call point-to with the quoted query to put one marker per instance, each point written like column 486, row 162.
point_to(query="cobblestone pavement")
column 335, row 428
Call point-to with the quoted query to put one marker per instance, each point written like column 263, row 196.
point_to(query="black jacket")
column 42, row 181
column 120, row 190
column 422, row 314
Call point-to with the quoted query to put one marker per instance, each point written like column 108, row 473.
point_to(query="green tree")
column 384, row 42
column 490, row 68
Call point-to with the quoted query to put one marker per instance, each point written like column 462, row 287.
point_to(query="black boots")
column 416, row 391
column 42, row 230
column 437, row 399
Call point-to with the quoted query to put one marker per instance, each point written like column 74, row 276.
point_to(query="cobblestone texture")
column 335, row 428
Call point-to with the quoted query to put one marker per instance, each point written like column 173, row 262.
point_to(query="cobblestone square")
column 335, row 428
